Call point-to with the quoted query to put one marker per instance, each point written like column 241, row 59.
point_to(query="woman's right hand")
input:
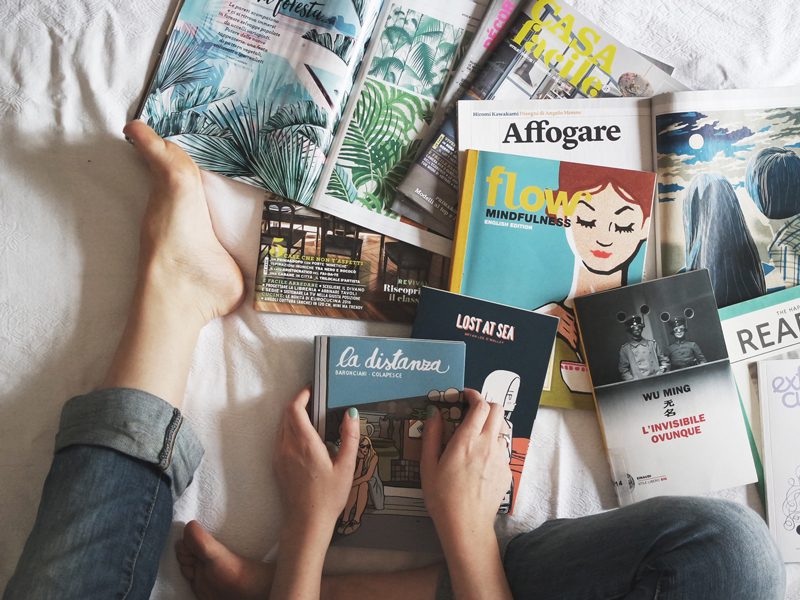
column 464, row 485
column 567, row 327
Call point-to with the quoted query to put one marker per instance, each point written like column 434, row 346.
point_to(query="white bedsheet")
column 72, row 193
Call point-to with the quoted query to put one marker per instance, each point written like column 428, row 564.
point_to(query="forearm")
column 473, row 560
column 298, row 573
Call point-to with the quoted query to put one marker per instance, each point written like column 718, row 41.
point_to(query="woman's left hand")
column 314, row 487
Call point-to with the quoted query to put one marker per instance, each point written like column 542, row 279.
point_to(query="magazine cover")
column 508, row 358
column 391, row 382
column 767, row 327
column 549, row 51
column 311, row 263
column 535, row 233
column 666, row 398
column 729, row 172
column 256, row 91
column 779, row 388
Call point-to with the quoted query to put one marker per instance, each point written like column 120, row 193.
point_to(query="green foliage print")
column 379, row 145
column 416, row 51
column 339, row 44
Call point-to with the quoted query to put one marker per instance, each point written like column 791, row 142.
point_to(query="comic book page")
column 729, row 170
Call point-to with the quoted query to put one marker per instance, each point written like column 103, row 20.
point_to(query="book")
column 767, row 327
column 390, row 381
column 665, row 395
column 507, row 359
column 729, row 168
column 534, row 233
column 779, row 390
column 312, row 263
column 322, row 103
column 549, row 51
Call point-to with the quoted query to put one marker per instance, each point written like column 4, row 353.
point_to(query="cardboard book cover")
column 666, row 399
column 312, row 263
column 391, row 381
column 535, row 233
column 508, row 355
column 779, row 390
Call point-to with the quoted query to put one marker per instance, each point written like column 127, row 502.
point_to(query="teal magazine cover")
column 391, row 382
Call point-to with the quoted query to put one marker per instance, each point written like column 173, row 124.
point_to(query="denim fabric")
column 106, row 506
column 666, row 548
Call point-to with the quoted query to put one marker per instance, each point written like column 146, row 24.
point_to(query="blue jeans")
column 121, row 455
column 106, row 506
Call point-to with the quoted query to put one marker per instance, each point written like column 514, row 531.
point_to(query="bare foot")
column 215, row 572
column 178, row 243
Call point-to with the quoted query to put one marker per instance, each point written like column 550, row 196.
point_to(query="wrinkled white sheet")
column 72, row 193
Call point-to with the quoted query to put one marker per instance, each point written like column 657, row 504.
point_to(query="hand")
column 567, row 327
column 463, row 487
column 314, row 487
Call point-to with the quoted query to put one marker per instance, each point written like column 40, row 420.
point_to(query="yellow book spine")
column 462, row 222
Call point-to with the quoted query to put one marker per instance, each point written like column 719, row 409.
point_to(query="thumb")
column 431, row 441
column 345, row 459
column 147, row 142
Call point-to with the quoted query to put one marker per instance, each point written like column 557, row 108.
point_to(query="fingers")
column 495, row 421
column 431, row 440
column 476, row 415
column 148, row 143
column 349, row 433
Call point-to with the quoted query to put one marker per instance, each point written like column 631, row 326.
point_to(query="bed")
column 72, row 193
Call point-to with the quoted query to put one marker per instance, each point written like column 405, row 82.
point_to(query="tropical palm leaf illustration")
column 341, row 185
column 382, row 130
column 339, row 44
column 358, row 6
column 181, row 63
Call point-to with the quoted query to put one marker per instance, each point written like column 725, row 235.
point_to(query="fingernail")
column 352, row 412
column 431, row 411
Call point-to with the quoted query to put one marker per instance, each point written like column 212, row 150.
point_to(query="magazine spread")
column 665, row 395
column 391, row 381
column 779, row 389
column 729, row 170
column 767, row 327
column 532, row 235
column 312, row 263
column 549, row 51
column 508, row 356
column 256, row 90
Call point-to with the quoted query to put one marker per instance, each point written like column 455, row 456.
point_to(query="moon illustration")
column 696, row 141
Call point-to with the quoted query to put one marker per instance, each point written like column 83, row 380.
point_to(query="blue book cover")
column 391, row 381
column 536, row 233
column 508, row 354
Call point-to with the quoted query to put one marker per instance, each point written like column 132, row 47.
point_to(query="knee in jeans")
column 736, row 539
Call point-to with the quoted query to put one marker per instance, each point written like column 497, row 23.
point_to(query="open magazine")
column 322, row 103
column 549, row 50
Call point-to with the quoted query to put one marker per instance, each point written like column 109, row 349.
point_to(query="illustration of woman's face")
column 363, row 446
column 607, row 230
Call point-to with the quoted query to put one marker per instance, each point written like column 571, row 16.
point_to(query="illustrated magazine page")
column 507, row 360
column 257, row 91
column 311, row 263
column 729, row 171
column 535, row 233
column 767, row 327
column 779, row 390
column 391, row 382
column 548, row 51
column 666, row 399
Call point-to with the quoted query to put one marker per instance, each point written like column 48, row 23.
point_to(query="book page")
column 410, row 59
column 729, row 170
column 255, row 90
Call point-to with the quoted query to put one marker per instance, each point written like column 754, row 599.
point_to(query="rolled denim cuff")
column 136, row 423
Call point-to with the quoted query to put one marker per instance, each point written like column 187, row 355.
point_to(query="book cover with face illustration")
column 507, row 358
column 535, row 233
column 666, row 399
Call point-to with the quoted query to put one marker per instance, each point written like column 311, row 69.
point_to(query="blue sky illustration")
column 676, row 129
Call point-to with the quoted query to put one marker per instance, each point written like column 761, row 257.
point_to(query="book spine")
column 462, row 223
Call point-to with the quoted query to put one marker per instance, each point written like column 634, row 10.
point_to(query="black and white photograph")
column 650, row 329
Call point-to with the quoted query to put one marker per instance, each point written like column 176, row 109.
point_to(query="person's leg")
column 122, row 452
column 665, row 548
